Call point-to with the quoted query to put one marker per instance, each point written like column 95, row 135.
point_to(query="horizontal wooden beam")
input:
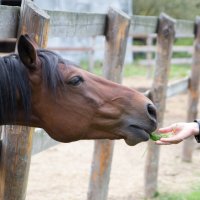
column 184, row 28
column 173, row 89
column 174, row 61
column 68, row 24
column 9, row 18
column 138, row 48
column 42, row 141
column 72, row 24
column 178, row 87
column 82, row 49
column 144, row 25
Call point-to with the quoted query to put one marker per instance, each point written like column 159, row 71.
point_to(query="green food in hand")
column 155, row 136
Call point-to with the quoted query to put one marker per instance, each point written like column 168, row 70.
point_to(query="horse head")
column 72, row 104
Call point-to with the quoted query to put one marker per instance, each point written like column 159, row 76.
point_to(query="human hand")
column 180, row 131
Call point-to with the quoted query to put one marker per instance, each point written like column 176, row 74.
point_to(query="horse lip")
column 136, row 135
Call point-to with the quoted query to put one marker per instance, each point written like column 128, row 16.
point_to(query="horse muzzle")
column 139, row 129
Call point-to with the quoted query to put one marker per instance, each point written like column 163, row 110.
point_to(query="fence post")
column 193, row 93
column 149, row 56
column 17, row 140
column 165, row 39
column 116, row 40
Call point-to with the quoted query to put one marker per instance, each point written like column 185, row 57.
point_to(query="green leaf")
column 156, row 136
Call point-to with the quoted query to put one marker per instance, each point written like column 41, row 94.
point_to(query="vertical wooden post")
column 116, row 40
column 193, row 93
column 17, row 140
column 149, row 56
column 165, row 39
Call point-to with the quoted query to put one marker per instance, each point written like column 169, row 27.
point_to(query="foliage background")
column 178, row 9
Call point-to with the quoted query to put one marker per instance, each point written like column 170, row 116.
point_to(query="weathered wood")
column 14, row 162
column 174, row 88
column 164, row 51
column 176, row 61
column 116, row 40
column 9, row 18
column 82, row 49
column 42, row 141
column 151, row 48
column 34, row 22
column 17, row 140
column 143, row 25
column 193, row 94
column 70, row 24
column 178, row 87
column 64, row 24
column 184, row 28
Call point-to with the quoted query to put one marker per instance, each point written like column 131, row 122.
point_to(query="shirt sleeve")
column 197, row 137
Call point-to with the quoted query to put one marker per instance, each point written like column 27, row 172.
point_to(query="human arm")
column 180, row 131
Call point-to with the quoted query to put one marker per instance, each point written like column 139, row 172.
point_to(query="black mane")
column 14, row 83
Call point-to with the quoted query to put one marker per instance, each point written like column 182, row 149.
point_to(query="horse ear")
column 27, row 52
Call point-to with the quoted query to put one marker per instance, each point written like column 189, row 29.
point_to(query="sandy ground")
column 62, row 172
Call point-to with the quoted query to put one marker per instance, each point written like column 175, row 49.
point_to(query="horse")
column 38, row 88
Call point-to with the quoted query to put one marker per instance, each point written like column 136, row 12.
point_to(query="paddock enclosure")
column 18, row 143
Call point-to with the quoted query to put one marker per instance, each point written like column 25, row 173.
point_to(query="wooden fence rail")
column 64, row 24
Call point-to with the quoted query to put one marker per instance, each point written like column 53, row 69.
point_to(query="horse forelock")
column 51, row 75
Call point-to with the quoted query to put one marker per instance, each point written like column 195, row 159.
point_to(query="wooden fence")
column 16, row 142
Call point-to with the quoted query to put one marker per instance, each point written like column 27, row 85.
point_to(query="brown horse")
column 40, row 89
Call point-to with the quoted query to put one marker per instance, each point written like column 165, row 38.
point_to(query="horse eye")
column 75, row 81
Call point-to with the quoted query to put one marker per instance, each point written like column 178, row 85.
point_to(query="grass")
column 194, row 194
column 131, row 70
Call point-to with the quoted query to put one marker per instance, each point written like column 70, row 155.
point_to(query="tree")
column 178, row 9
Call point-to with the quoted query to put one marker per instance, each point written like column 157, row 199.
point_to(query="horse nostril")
column 152, row 111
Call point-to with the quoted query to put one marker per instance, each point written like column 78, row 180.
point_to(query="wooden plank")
column 71, row 24
column 144, row 25
column 174, row 88
column 145, row 49
column 166, row 32
column 141, row 26
column 178, row 87
column 176, row 61
column 9, row 18
column 42, row 141
column 17, row 140
column 82, row 49
column 193, row 94
column 116, row 41
column 14, row 160
column 184, row 28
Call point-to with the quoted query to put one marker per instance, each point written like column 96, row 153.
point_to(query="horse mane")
column 14, row 77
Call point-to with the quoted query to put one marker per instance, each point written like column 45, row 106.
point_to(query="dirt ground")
column 62, row 172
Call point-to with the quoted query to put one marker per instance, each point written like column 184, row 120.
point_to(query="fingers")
column 167, row 129
column 172, row 140
column 159, row 142
column 175, row 139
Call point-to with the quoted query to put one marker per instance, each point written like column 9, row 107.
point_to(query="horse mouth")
column 136, row 135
